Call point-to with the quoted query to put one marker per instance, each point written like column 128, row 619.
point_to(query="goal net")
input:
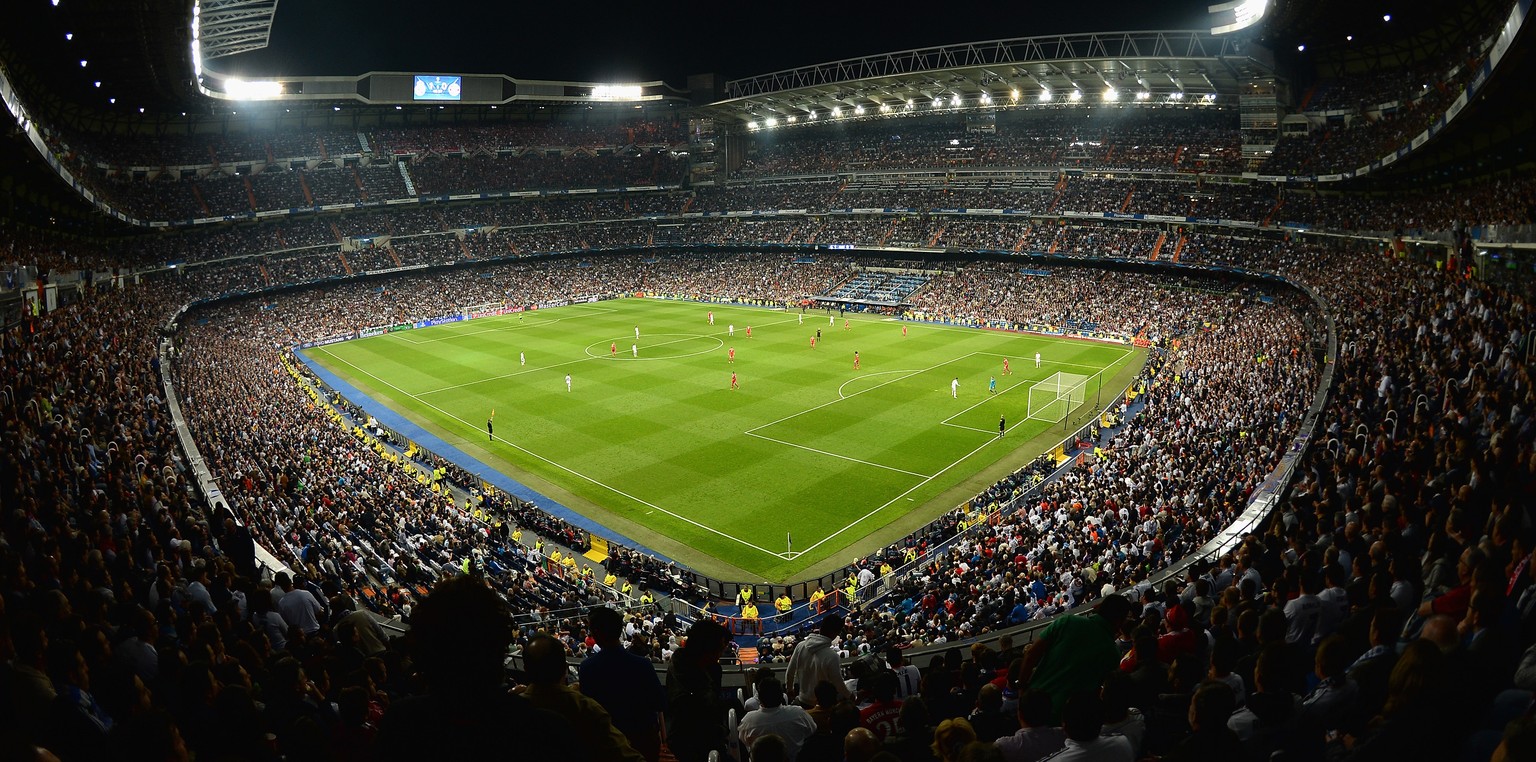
column 1055, row 397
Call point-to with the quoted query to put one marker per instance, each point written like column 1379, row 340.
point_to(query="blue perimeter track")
column 408, row 429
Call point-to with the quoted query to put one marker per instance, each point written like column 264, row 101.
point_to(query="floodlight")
column 771, row 122
column 789, row 119
column 98, row 83
column 69, row 36
column 1111, row 94
column 1302, row 48
column 240, row 89
column 858, row 110
column 1143, row 95
column 1045, row 96
column 1076, row 96
column 837, row 111
column 1015, row 93
column 937, row 102
column 83, row 62
column 1386, row 17
column 954, row 100
column 751, row 125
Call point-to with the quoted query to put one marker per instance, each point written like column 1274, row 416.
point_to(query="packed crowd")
column 134, row 588
column 1201, row 140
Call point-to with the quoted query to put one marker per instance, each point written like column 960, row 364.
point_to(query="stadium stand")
column 1120, row 600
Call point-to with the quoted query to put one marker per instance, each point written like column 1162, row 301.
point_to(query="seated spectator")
column 791, row 724
column 1270, row 713
column 1036, row 738
column 459, row 637
column 1210, row 738
column 544, row 660
column 1083, row 721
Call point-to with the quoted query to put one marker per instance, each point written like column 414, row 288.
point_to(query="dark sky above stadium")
column 637, row 41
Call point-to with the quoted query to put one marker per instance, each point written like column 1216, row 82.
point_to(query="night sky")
column 604, row 41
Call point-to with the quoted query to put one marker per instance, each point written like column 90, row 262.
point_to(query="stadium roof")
column 1149, row 67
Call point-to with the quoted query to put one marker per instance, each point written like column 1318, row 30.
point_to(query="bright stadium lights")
column 858, row 110
column 97, row 83
column 1077, row 95
column 69, row 36
column 112, row 101
column 1349, row 38
column 789, row 120
column 954, row 100
column 771, row 122
column 141, row 109
column 1045, row 96
column 837, row 111
column 83, row 62
column 1176, row 96
column 55, row 3
column 751, row 125
column 1014, row 93
column 986, row 98
column 1386, row 17
column 1111, row 94
column 335, row 108
column 937, row 102
column 1143, row 95
column 240, row 89
column 1210, row 97
column 616, row 92
column 1302, row 48
column 1244, row 14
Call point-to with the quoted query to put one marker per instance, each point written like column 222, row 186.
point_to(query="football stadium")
column 707, row 385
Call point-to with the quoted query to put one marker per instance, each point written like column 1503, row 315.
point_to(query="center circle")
column 648, row 344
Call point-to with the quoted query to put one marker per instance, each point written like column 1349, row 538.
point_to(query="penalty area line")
column 561, row 466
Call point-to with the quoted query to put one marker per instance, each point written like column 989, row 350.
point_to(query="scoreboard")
column 437, row 87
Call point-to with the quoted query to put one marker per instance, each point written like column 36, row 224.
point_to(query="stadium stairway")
column 1178, row 248
column 197, row 193
column 390, row 250
column 250, row 193
column 1178, row 154
column 934, row 241
column 345, row 265
column 1158, row 247
column 1127, row 204
column 1019, row 245
column 309, row 196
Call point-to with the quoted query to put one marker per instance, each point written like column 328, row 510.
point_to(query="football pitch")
column 652, row 440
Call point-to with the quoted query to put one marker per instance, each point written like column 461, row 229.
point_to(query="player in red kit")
column 903, row 332
column 734, row 384
column 813, row 342
column 1006, row 370
column 613, row 349
column 749, row 331
column 855, row 360
column 731, row 355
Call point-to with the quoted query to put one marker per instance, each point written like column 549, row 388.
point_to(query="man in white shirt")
column 786, row 721
column 1083, row 719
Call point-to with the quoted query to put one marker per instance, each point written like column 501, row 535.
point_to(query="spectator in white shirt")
column 786, row 721
column 298, row 607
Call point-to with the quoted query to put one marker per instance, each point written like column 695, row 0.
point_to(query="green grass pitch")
column 659, row 446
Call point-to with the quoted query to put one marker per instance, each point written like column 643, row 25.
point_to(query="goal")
column 1053, row 398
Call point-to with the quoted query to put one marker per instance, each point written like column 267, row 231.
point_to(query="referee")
column 1002, row 426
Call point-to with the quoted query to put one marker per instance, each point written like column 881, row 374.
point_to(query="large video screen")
column 434, row 87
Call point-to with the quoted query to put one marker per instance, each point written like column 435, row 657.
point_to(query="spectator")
column 459, row 637
column 788, row 722
column 544, row 660
column 695, row 714
column 1060, row 670
column 1083, row 721
column 815, row 659
column 1036, row 738
column 624, row 684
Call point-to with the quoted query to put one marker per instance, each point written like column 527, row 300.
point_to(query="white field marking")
column 984, row 400
column 841, row 457
column 621, row 356
column 892, row 501
column 869, row 375
column 519, row 325
column 589, row 358
column 857, row 393
column 1044, row 361
column 561, row 466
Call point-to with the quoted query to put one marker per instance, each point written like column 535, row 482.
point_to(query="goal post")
column 1053, row 398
